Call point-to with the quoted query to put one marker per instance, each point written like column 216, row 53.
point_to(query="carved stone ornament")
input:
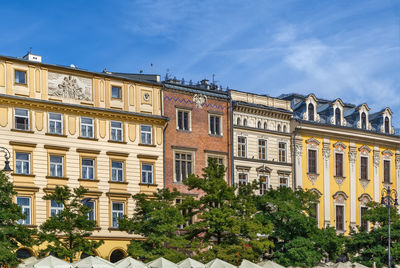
column 364, row 199
column 299, row 150
column 344, row 122
column 312, row 177
column 364, row 183
column 199, row 100
column 317, row 118
column 69, row 86
column 339, row 180
column 339, row 146
column 305, row 116
column 340, row 197
column 326, row 152
column 352, row 155
column 397, row 161
column 377, row 159
column 387, row 154
column 364, row 150
column 146, row 97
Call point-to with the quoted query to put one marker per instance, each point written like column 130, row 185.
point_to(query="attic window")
column 363, row 121
column 337, row 117
column 387, row 128
column 311, row 112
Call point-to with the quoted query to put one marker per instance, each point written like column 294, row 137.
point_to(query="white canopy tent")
column 49, row 262
column 161, row 263
column 248, row 264
column 93, row 262
column 270, row 264
column 129, row 262
column 190, row 263
column 217, row 263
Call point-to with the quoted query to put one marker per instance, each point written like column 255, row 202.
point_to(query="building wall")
column 198, row 140
column 133, row 109
column 356, row 191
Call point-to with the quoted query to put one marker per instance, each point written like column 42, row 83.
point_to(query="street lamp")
column 7, row 156
column 387, row 200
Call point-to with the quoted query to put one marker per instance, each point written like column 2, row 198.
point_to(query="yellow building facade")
column 346, row 155
column 66, row 126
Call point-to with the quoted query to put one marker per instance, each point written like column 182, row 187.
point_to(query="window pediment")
column 263, row 169
column 364, row 150
column 340, row 197
column 339, row 146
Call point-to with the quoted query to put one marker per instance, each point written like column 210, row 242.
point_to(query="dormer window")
column 311, row 112
column 337, row 117
column 387, row 125
column 363, row 121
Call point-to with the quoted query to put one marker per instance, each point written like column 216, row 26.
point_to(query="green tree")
column 226, row 227
column 156, row 218
column 369, row 247
column 12, row 234
column 298, row 240
column 66, row 233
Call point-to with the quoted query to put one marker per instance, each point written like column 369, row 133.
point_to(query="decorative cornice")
column 338, row 193
column 24, row 144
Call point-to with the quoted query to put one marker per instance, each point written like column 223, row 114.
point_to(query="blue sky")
column 346, row 49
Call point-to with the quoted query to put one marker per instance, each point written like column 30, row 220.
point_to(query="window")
column 338, row 164
column 183, row 120
column 282, row 152
column 315, row 208
column 386, row 171
column 338, row 120
column 185, row 214
column 92, row 213
column 312, row 161
column 242, row 144
column 215, row 125
column 117, row 213
column 183, row 166
column 21, row 117
column 55, row 208
column 22, row 163
column 116, row 92
column 364, row 223
column 263, row 184
column 20, row 77
column 87, row 126
column 339, row 217
column 87, row 169
column 219, row 160
column 25, row 204
column 364, row 167
column 55, row 123
column 146, row 134
column 363, row 121
column 116, row 131
column 147, row 173
column 262, row 149
column 56, row 166
column 283, row 182
column 242, row 179
column 387, row 127
column 311, row 112
column 117, row 171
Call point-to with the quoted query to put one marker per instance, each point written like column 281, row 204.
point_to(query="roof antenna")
column 152, row 71
column 30, row 50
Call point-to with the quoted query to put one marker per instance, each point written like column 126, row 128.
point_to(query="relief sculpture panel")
column 70, row 87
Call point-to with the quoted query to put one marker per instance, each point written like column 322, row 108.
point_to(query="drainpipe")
column 294, row 157
column 231, row 140
column 164, row 128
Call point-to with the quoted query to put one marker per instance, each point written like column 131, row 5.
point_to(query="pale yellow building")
column 345, row 154
column 261, row 140
column 67, row 126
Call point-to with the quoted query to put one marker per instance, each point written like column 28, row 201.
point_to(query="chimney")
column 205, row 83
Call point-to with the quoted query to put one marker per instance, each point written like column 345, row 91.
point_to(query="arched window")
column 23, row 253
column 238, row 121
column 279, row 128
column 387, row 127
column 259, row 124
column 311, row 112
column 265, row 125
column 363, row 121
column 116, row 255
column 284, row 128
column 338, row 120
column 245, row 122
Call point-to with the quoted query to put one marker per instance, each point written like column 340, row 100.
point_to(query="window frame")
column 148, row 140
column 189, row 119
column 343, row 218
column 215, row 116
column 263, row 182
column 186, row 161
column 117, row 169
column 56, row 209
column 93, row 212
column 142, row 171
column 116, row 130
column 309, row 161
column 261, row 148
column 94, row 167
column 367, row 223
column 389, row 171
column 62, row 165
column 361, row 167
column 29, row 161
column 119, row 216
column 336, row 163
column 60, row 121
column 119, row 90
column 26, row 117
column 25, row 77
column 246, row 179
column 86, row 125
column 283, row 178
column 285, row 151
column 24, row 221
column 242, row 147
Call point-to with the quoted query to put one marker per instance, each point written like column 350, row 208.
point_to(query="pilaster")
column 298, row 149
column 398, row 174
column 326, row 153
column 377, row 160
column 353, row 195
